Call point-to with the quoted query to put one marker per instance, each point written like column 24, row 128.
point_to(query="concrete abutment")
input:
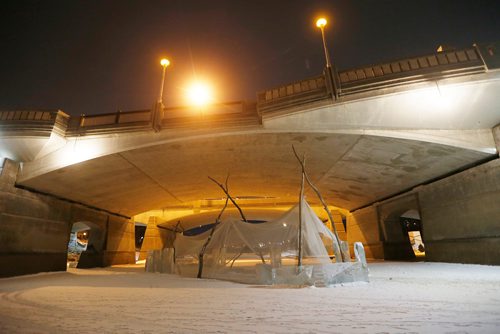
column 35, row 230
column 460, row 218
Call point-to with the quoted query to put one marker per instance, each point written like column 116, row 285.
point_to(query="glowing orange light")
column 164, row 62
column 321, row 23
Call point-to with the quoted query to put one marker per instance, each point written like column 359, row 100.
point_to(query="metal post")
column 330, row 72
column 160, row 99
column 327, row 56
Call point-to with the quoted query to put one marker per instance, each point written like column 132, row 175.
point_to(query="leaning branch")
column 225, row 189
column 322, row 201
column 230, row 198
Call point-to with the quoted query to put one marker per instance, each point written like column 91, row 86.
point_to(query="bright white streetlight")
column 199, row 94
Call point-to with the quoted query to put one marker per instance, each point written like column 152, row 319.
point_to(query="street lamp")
column 321, row 23
column 331, row 75
column 157, row 112
column 164, row 62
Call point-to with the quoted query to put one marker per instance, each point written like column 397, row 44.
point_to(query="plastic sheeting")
column 267, row 253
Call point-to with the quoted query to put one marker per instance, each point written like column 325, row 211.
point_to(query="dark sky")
column 100, row 56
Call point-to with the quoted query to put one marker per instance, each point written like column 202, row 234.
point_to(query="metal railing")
column 112, row 119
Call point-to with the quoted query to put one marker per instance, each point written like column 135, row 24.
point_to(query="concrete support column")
column 120, row 246
column 362, row 225
column 496, row 136
column 155, row 238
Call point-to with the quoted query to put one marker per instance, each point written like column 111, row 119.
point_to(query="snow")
column 400, row 298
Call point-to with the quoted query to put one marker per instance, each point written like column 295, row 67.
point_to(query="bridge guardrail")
column 441, row 64
column 298, row 92
column 220, row 114
column 136, row 116
column 400, row 72
column 33, row 122
column 126, row 121
column 26, row 115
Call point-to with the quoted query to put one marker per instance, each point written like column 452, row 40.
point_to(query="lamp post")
column 321, row 23
column 332, row 82
column 157, row 114
column 164, row 62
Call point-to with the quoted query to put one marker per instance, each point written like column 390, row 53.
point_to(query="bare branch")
column 230, row 198
column 325, row 206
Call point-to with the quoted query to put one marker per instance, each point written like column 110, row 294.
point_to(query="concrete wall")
column 460, row 217
column 35, row 229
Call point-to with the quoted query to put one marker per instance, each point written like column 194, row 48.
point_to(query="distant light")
column 284, row 224
column 164, row 62
column 199, row 94
column 321, row 22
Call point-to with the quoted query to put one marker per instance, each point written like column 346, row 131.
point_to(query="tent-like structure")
column 263, row 252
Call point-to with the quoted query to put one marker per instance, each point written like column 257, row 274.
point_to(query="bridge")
column 416, row 137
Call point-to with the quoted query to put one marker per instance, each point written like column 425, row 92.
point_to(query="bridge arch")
column 396, row 241
column 86, row 245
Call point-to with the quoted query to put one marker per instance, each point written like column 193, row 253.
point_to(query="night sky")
column 102, row 56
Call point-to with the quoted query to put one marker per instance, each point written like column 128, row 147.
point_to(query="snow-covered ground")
column 401, row 298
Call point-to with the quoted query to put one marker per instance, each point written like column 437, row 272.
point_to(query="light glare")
column 199, row 94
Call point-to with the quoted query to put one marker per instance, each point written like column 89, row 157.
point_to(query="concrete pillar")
column 362, row 225
column 155, row 238
column 496, row 136
column 120, row 247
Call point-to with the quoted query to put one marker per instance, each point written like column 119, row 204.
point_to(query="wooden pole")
column 205, row 245
column 301, row 196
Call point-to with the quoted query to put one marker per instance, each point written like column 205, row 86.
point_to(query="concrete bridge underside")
column 351, row 170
